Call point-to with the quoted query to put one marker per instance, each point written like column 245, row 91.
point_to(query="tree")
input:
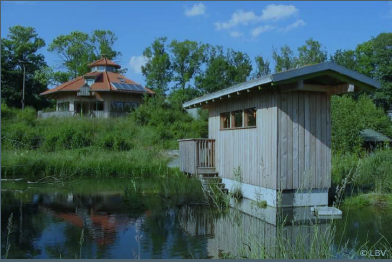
column 263, row 67
column 372, row 58
column 77, row 49
column 186, row 60
column 222, row 70
column 284, row 61
column 157, row 70
column 21, row 48
column 345, row 133
column 216, row 76
column 48, row 76
column 240, row 66
column 345, row 58
column 311, row 53
column 103, row 42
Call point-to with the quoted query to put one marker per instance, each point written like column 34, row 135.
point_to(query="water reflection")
column 65, row 225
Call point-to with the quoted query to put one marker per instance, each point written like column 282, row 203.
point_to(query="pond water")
column 50, row 222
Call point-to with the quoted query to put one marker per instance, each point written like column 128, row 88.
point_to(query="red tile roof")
column 102, row 83
column 104, row 62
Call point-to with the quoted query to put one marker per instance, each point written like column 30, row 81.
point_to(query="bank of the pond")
column 139, row 193
column 377, row 200
column 142, row 162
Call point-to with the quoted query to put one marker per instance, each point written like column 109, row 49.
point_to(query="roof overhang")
column 304, row 73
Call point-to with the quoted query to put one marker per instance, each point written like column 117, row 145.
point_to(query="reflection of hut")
column 373, row 139
column 260, row 233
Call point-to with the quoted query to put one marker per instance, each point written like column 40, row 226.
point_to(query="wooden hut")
column 272, row 135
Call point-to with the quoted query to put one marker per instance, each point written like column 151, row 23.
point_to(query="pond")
column 92, row 220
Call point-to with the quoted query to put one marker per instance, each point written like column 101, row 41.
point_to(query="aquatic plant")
column 9, row 231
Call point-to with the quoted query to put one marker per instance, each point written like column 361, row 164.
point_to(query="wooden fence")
column 197, row 155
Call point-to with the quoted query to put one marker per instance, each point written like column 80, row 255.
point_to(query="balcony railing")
column 197, row 156
column 94, row 114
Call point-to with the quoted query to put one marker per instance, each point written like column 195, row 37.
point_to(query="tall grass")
column 370, row 171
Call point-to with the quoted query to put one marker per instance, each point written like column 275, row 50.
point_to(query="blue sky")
column 251, row 27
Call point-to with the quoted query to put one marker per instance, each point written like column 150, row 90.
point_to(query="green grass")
column 370, row 199
column 88, row 162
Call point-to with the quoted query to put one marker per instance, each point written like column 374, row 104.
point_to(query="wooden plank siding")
column 304, row 140
column 254, row 150
column 289, row 148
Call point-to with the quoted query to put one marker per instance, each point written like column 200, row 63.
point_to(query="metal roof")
column 306, row 72
column 370, row 135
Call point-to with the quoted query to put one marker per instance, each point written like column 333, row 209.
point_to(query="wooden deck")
column 197, row 156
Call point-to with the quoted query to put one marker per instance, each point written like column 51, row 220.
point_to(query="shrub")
column 343, row 164
column 121, row 144
column 375, row 170
column 350, row 117
column 28, row 115
column 51, row 142
column 7, row 112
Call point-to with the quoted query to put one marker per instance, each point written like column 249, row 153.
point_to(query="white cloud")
column 235, row 34
column 239, row 17
column 257, row 31
column 137, row 62
column 196, row 10
column 277, row 12
column 270, row 13
column 294, row 25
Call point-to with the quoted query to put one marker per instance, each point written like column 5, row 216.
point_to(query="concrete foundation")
column 289, row 198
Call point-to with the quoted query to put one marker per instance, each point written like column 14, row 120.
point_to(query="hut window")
column 64, row 106
column 225, row 120
column 238, row 121
column 250, row 117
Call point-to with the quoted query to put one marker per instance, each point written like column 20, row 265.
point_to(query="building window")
column 64, row 106
column 99, row 106
column 90, row 81
column 129, row 107
column 250, row 117
column 117, row 107
column 239, row 119
column 124, row 106
column 225, row 120
column 101, row 68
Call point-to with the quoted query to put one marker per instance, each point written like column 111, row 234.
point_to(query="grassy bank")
column 119, row 147
column 376, row 200
column 86, row 162
column 370, row 170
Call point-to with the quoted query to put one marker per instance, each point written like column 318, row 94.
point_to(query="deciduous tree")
column 157, row 71
column 21, row 48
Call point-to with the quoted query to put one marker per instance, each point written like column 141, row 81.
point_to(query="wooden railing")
column 197, row 155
